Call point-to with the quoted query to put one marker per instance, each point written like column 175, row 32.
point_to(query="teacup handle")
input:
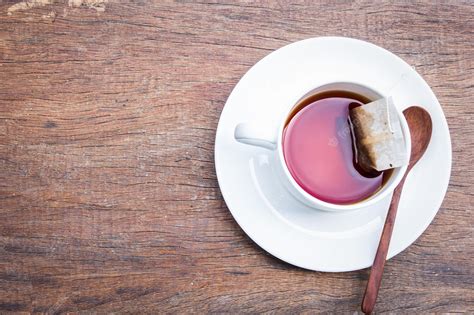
column 257, row 135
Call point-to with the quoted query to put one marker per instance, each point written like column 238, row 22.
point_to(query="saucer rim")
column 392, row 253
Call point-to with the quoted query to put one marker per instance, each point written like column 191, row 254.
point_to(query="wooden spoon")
column 419, row 122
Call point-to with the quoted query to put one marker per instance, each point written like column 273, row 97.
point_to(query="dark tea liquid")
column 317, row 145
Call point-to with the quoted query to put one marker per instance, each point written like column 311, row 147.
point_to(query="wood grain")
column 108, row 194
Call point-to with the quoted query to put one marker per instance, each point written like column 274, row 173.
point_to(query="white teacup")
column 258, row 135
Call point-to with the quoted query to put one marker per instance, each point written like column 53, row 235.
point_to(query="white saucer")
column 310, row 238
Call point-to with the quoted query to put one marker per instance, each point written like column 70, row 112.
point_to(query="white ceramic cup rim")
column 311, row 200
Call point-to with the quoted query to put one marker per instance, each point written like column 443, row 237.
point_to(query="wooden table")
column 108, row 195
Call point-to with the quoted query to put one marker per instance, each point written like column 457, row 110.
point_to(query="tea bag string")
column 402, row 78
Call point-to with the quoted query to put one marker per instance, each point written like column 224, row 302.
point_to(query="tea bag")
column 377, row 135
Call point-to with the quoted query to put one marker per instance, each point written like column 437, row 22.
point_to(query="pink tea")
column 317, row 145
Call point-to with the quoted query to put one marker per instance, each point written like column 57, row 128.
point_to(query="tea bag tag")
column 378, row 136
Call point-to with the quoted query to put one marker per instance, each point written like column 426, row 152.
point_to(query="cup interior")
column 344, row 86
column 396, row 173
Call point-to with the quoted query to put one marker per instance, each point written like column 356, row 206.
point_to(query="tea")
column 318, row 149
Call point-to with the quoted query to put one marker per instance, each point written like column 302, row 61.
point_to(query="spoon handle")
column 375, row 278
